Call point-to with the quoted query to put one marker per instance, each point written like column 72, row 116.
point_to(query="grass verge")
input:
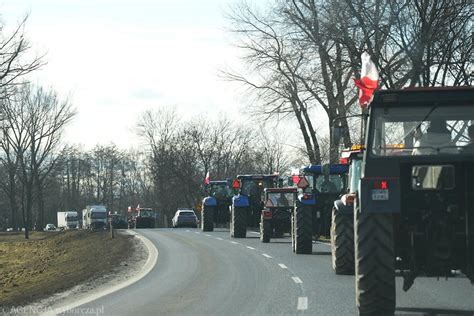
column 51, row 262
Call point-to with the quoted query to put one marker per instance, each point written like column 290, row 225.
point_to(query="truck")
column 68, row 220
column 215, row 206
column 247, row 204
column 141, row 217
column 414, row 207
column 94, row 217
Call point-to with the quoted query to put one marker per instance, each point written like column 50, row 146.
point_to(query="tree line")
column 301, row 55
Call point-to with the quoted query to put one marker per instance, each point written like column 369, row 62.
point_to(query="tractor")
column 247, row 205
column 321, row 185
column 342, row 224
column 414, row 209
column 215, row 207
column 276, row 215
column 141, row 217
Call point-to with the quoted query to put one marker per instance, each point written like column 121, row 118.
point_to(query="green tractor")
column 247, row 205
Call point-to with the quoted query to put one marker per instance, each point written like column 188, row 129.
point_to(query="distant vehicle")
column 9, row 229
column 119, row 222
column 141, row 217
column 50, row 227
column 94, row 217
column 68, row 220
column 185, row 217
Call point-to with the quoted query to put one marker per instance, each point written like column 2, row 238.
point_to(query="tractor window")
column 277, row 199
column 432, row 177
column 221, row 191
column 435, row 130
column 332, row 184
column 146, row 213
column 355, row 171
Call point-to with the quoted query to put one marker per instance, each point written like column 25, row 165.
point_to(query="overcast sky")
column 116, row 58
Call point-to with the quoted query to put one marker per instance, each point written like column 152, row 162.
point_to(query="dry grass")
column 54, row 261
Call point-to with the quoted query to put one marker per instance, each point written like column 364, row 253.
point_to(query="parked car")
column 50, row 227
column 185, row 217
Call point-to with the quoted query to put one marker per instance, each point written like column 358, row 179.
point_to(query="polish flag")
column 368, row 82
column 206, row 180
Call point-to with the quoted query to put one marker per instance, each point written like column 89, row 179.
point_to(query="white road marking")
column 208, row 235
column 282, row 266
column 302, row 303
column 297, row 280
column 220, row 238
column 252, row 248
column 265, row 255
column 197, row 232
column 233, row 242
column 187, row 230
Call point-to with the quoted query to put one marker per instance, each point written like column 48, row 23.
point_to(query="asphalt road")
column 200, row 273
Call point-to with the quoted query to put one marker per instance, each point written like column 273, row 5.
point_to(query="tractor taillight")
column 307, row 196
column 344, row 161
column 380, row 185
column 267, row 214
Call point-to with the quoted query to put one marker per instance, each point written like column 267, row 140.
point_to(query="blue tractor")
column 321, row 185
column 247, row 205
column 215, row 207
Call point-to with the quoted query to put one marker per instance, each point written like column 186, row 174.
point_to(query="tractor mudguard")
column 209, row 201
column 372, row 201
column 343, row 209
column 307, row 199
column 240, row 201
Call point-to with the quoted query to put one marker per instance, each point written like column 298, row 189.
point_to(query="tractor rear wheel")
column 374, row 263
column 342, row 242
column 207, row 219
column 303, row 230
column 265, row 230
column 238, row 219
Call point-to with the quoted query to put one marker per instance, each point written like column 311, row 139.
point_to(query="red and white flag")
column 206, row 180
column 368, row 82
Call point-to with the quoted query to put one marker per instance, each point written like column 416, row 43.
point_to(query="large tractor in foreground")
column 215, row 207
column 414, row 210
column 247, row 205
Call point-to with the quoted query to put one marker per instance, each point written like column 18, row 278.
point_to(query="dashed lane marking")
column 251, row 248
column 219, row 238
column 197, row 232
column 188, row 231
column 233, row 242
column 282, row 266
column 302, row 303
column 208, row 235
column 266, row 256
column 297, row 280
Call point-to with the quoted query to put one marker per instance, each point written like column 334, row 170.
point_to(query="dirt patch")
column 52, row 262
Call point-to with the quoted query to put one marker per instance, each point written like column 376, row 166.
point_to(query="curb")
column 147, row 267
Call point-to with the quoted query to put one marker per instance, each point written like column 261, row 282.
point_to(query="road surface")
column 209, row 273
